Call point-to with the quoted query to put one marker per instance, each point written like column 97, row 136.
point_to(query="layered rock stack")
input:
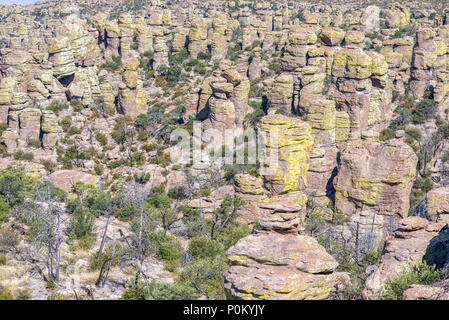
column 224, row 99
column 272, row 265
column 197, row 37
column 220, row 37
column 293, row 146
column 132, row 100
column 276, row 262
column 361, row 88
column 373, row 199
column 424, row 59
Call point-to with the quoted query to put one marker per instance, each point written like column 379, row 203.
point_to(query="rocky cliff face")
column 356, row 94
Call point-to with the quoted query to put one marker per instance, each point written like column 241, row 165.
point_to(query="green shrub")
column 96, row 264
column 56, row 296
column 252, row 170
column 206, row 276
column 445, row 157
column 170, row 249
column 254, row 117
column 395, row 95
column 414, row 133
column 15, row 185
column 142, row 135
column 172, row 291
column 5, row 210
column 23, row 294
column 117, row 163
column 355, row 266
column 203, row 247
column 142, row 178
column 58, row 106
column 99, row 169
column 77, row 105
column 282, row 110
column 35, row 143
column 162, row 160
column 425, row 110
column 136, row 292
column 386, row 134
column 101, row 138
column 5, row 294
column 230, row 236
column 418, row 274
column 123, row 129
column 86, row 243
column 205, row 192
column 9, row 238
column 73, row 131
column 50, row 284
column 138, row 158
column 49, row 165
column 114, row 65
column 158, row 189
column 159, row 200
column 398, row 34
column 233, row 52
column 126, row 213
column 177, row 193
column 424, row 183
column 142, row 121
column 229, row 173
column 148, row 147
column 172, row 265
column 3, row 260
column 82, row 223
column 21, row 155
column 3, row 127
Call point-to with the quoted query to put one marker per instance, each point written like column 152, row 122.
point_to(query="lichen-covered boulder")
column 437, row 202
column 30, row 124
column 332, row 36
column 10, row 139
column 131, row 102
column 375, row 175
column 370, row 19
column 279, row 93
column 65, row 179
column 352, row 64
column 61, row 56
column 252, row 191
column 274, row 266
column 396, row 15
column 197, row 37
column 282, row 216
column 439, row 291
column 294, row 142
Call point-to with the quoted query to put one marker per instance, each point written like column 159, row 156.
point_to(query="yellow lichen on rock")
column 294, row 142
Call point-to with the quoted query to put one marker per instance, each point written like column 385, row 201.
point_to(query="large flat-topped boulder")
column 275, row 266
column 65, row 178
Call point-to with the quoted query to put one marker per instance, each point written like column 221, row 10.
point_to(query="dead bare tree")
column 140, row 245
column 43, row 214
